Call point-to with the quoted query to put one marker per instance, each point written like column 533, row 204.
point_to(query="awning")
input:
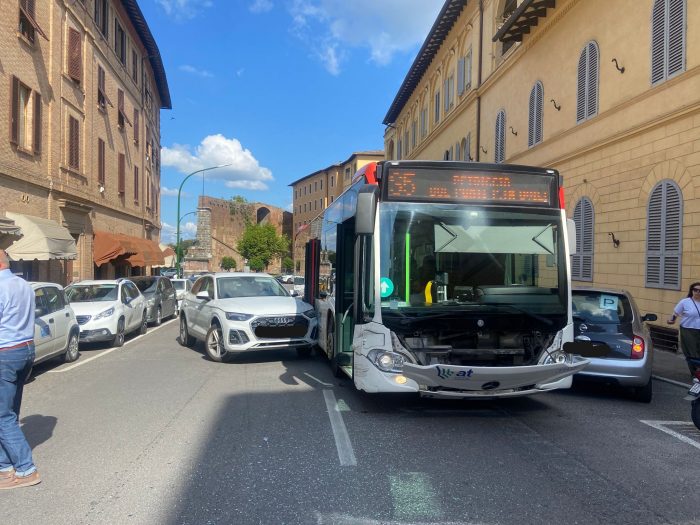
column 43, row 239
column 136, row 251
column 9, row 232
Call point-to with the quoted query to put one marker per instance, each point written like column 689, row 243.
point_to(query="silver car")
column 161, row 299
column 610, row 317
column 237, row 312
column 56, row 331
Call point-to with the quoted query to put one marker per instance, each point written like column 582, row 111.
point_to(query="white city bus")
column 451, row 279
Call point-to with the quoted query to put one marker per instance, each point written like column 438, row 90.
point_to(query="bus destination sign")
column 470, row 186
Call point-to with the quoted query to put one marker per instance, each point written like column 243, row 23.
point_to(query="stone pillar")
column 198, row 257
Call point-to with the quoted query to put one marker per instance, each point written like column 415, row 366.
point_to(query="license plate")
column 694, row 390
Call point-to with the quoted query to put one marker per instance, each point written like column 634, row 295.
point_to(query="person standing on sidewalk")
column 16, row 358
column 688, row 309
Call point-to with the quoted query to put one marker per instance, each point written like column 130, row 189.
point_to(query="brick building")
column 313, row 193
column 79, row 160
column 605, row 92
column 219, row 227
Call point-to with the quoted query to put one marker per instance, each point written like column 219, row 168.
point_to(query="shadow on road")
column 38, row 429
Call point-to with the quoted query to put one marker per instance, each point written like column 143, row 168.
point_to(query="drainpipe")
column 478, row 82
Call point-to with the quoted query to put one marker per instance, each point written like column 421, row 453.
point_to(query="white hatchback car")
column 236, row 312
column 107, row 310
column 56, row 330
column 182, row 286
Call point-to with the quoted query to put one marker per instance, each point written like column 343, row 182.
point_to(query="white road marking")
column 127, row 343
column 671, row 381
column 662, row 426
column 340, row 433
column 317, row 379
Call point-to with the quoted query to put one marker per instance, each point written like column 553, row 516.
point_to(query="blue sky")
column 278, row 88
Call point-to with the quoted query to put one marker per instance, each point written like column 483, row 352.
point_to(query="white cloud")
column 183, row 9
column 189, row 228
column 172, row 192
column 168, row 233
column 333, row 27
column 261, row 6
column 217, row 150
column 194, row 71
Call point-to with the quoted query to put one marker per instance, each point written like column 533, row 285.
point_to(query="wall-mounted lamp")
column 483, row 150
column 513, row 131
column 557, row 107
column 615, row 241
column 621, row 69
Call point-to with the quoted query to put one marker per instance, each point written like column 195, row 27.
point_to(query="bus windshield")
column 461, row 258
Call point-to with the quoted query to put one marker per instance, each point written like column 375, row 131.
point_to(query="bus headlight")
column 386, row 361
column 557, row 357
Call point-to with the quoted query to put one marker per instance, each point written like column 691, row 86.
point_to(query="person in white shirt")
column 688, row 309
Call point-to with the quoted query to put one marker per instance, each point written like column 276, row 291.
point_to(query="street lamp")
column 179, row 191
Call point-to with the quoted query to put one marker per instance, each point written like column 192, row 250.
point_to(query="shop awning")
column 134, row 250
column 9, row 232
column 42, row 239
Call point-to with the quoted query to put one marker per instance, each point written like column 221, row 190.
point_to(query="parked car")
column 56, row 330
column 107, row 310
column 298, row 285
column 182, row 286
column 160, row 295
column 237, row 312
column 169, row 272
column 610, row 316
column 287, row 279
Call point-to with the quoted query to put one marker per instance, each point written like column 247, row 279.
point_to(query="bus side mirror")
column 366, row 209
column 571, row 230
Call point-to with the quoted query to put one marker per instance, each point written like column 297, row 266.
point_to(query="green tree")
column 185, row 244
column 240, row 207
column 228, row 263
column 287, row 264
column 260, row 242
column 256, row 264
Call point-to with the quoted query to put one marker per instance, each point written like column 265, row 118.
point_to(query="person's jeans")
column 15, row 366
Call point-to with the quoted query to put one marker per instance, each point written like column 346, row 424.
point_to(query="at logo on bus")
column 448, row 373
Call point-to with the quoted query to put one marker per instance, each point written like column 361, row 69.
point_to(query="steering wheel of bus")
column 345, row 315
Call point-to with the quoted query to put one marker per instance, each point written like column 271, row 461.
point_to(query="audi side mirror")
column 204, row 296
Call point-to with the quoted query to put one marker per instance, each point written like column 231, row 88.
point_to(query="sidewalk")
column 671, row 366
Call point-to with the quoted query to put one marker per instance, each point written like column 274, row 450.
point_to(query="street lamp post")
column 179, row 192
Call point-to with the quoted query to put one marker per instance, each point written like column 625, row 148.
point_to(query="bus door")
column 345, row 280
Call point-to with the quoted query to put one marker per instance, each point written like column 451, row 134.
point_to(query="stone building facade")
column 85, row 85
column 221, row 225
column 314, row 192
column 608, row 93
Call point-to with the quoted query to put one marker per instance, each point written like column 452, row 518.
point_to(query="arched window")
column 587, row 86
column 582, row 260
column 664, row 227
column 668, row 21
column 467, row 147
column 534, row 133
column 500, row 142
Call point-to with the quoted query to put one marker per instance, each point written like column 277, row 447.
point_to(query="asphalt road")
column 154, row 433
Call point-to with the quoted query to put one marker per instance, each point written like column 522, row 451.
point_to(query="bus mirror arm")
column 366, row 209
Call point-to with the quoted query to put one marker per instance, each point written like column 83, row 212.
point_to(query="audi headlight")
column 233, row 316
column 310, row 313
column 104, row 314
column 386, row 361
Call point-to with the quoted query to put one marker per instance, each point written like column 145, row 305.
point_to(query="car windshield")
column 87, row 293
column 232, row 287
column 601, row 307
column 298, row 280
column 146, row 285
column 178, row 285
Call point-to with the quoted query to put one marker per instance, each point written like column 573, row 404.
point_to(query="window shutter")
column 75, row 58
column 73, row 143
column 539, row 112
column 500, row 142
column 101, row 161
column 136, row 126
column 460, row 76
column 676, row 36
column 37, row 123
column 576, row 258
column 468, row 71
column 658, row 23
column 531, row 119
column 468, row 147
column 14, row 120
column 446, row 97
column 664, row 228
column 581, row 88
column 654, row 234
column 587, row 241
column 592, row 81
column 122, row 175
column 136, row 184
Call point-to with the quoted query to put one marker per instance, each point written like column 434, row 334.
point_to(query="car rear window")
column 146, row 285
column 601, row 307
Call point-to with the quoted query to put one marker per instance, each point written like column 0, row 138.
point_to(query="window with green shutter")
column 664, row 236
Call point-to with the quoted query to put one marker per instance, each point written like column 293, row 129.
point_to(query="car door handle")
column 67, row 314
column 51, row 321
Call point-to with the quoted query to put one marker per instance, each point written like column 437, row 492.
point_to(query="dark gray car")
column 160, row 297
column 610, row 316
